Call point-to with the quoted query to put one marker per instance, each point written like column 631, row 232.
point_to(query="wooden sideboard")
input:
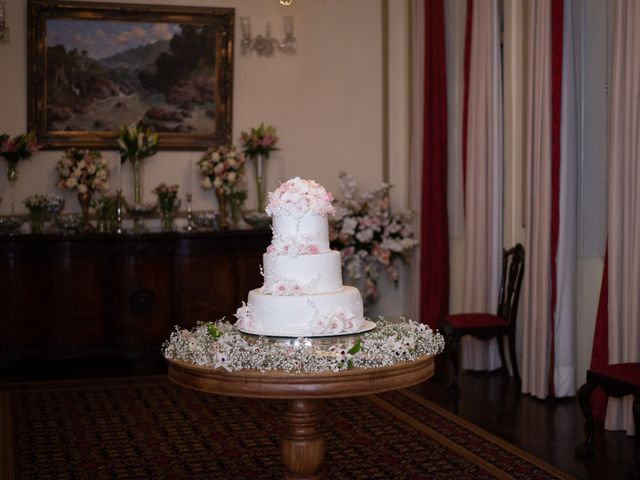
column 109, row 294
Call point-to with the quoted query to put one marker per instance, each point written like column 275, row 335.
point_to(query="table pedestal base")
column 302, row 444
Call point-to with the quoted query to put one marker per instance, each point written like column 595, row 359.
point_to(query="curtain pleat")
column 564, row 346
column 624, row 204
column 483, row 186
column 536, row 290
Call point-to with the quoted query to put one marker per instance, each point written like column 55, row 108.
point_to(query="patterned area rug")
column 149, row 428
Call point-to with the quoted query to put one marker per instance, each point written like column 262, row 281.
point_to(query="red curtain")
column 434, row 229
column 557, row 20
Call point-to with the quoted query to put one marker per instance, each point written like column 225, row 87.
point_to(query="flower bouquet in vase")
column 87, row 172
column 257, row 144
column 135, row 144
column 38, row 206
column 222, row 169
column 14, row 150
column 167, row 203
column 369, row 236
column 106, row 208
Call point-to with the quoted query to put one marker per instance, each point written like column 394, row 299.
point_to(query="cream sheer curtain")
column 483, row 189
column 536, row 288
column 416, row 135
column 564, row 370
column 624, row 203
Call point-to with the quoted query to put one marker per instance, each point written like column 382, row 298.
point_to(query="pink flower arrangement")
column 83, row 170
column 259, row 141
column 222, row 167
column 370, row 237
column 18, row 148
column 297, row 197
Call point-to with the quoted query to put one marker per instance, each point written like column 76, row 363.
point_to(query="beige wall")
column 326, row 102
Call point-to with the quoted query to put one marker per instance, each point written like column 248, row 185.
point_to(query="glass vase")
column 167, row 208
column 261, row 182
column 136, row 164
column 223, row 222
column 12, row 177
column 37, row 217
column 84, row 198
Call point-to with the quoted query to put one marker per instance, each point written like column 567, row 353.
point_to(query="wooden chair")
column 487, row 325
column 616, row 380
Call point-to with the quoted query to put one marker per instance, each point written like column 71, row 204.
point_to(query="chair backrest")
column 510, row 283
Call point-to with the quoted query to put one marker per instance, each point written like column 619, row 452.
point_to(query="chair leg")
column 503, row 358
column 454, row 344
column 512, row 355
column 584, row 395
column 634, row 469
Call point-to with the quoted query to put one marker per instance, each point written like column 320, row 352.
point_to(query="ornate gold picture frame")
column 95, row 66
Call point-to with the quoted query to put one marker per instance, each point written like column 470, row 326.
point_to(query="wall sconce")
column 4, row 29
column 266, row 45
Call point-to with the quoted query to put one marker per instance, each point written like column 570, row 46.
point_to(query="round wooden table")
column 302, row 444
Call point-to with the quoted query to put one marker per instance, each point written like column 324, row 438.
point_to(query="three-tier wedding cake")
column 302, row 294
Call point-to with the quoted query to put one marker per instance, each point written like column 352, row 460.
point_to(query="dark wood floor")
column 548, row 429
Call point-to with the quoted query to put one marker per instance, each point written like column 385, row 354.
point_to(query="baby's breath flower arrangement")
column 83, row 170
column 370, row 237
column 221, row 345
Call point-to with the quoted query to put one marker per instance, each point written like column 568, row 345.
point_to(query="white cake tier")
column 303, row 274
column 308, row 229
column 303, row 315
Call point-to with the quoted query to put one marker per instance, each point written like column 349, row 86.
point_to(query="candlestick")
column 119, row 228
column 189, row 226
column 190, row 180
column 119, row 170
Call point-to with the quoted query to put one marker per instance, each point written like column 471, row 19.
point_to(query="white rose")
column 217, row 183
column 206, row 183
column 82, row 164
column 82, row 188
column 77, row 172
column 91, row 169
column 231, row 177
column 70, row 183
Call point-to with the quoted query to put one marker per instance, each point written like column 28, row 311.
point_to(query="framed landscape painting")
column 93, row 67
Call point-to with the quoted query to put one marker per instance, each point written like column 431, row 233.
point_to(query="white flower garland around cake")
column 221, row 345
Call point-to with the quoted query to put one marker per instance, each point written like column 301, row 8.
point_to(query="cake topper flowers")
column 297, row 197
column 369, row 236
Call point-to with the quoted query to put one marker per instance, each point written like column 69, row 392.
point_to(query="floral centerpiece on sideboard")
column 136, row 144
column 257, row 144
column 38, row 206
column 370, row 237
column 222, row 169
column 14, row 150
column 85, row 171
column 167, row 196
